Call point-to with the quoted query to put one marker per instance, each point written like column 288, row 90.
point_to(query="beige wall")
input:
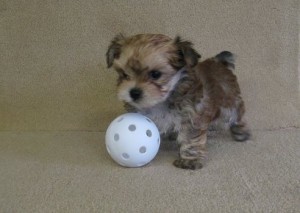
column 52, row 66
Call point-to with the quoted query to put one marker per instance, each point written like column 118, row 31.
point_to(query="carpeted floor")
column 71, row 172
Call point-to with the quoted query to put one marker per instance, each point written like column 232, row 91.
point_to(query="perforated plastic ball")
column 132, row 140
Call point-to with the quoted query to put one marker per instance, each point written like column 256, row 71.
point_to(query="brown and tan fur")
column 161, row 78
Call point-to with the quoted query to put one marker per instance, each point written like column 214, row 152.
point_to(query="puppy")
column 162, row 79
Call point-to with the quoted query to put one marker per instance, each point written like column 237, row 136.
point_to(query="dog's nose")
column 136, row 94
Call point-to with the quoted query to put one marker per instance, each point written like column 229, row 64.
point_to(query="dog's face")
column 149, row 66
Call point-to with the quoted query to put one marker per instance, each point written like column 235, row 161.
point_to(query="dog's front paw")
column 188, row 164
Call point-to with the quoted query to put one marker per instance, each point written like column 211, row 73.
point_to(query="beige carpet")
column 71, row 172
column 53, row 72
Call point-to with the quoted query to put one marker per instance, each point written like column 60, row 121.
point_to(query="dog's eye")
column 125, row 76
column 155, row 74
column 122, row 74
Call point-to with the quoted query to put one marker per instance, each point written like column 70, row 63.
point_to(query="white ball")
column 132, row 140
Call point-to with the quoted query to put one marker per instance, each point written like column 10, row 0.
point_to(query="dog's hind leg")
column 239, row 130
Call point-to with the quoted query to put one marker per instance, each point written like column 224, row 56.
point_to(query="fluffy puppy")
column 162, row 79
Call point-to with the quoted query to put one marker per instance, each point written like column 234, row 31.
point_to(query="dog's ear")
column 114, row 50
column 187, row 55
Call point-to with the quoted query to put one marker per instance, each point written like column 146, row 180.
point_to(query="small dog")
column 162, row 79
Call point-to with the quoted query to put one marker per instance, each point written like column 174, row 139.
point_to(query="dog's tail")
column 227, row 58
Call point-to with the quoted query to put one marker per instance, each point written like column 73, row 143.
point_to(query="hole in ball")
column 132, row 127
column 143, row 149
column 116, row 137
column 149, row 133
column 158, row 141
column 148, row 120
column 125, row 156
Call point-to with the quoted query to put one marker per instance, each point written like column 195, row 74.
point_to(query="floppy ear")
column 187, row 56
column 114, row 50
